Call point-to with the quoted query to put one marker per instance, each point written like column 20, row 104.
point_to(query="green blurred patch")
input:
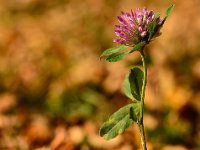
column 76, row 103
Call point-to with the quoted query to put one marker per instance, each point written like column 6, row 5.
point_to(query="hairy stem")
column 141, row 124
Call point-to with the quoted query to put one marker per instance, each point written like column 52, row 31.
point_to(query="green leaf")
column 133, row 84
column 169, row 10
column 111, row 51
column 127, row 87
column 117, row 123
column 117, row 56
column 139, row 46
column 135, row 112
column 151, row 26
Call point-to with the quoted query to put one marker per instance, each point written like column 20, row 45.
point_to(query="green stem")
column 142, row 134
column 141, row 124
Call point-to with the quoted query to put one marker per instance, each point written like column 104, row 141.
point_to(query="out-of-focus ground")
column 55, row 92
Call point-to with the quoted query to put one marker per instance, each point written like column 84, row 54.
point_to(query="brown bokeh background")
column 55, row 92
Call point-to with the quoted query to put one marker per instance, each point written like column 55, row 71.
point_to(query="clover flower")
column 133, row 26
column 135, row 29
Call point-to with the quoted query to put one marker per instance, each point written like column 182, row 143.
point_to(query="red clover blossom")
column 133, row 26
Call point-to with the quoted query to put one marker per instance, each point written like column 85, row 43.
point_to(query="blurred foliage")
column 55, row 92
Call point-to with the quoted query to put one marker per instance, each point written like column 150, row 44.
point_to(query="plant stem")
column 141, row 124
column 142, row 134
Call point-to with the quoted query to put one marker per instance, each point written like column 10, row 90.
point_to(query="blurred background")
column 55, row 92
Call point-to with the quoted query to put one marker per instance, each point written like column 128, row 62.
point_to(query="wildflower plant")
column 136, row 29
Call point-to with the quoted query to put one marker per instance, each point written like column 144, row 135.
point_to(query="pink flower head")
column 133, row 26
